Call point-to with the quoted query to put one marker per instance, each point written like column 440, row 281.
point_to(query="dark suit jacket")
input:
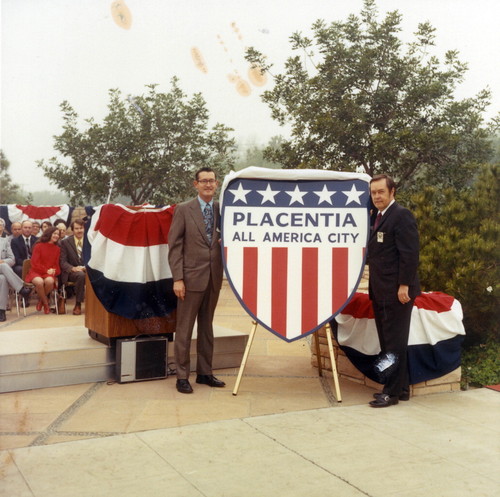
column 393, row 250
column 69, row 257
column 192, row 257
column 19, row 248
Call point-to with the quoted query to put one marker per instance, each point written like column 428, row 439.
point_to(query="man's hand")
column 180, row 289
column 403, row 295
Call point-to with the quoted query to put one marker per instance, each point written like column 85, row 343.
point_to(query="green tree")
column 459, row 237
column 9, row 191
column 255, row 155
column 147, row 148
column 356, row 97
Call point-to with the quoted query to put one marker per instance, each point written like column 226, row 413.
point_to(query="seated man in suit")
column 8, row 278
column 22, row 246
column 3, row 233
column 61, row 225
column 72, row 267
column 15, row 231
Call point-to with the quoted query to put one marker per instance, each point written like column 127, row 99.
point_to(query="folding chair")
column 26, row 268
column 53, row 294
column 68, row 284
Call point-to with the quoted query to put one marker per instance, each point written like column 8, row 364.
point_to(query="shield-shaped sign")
column 294, row 244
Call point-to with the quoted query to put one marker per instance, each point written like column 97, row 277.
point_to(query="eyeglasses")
column 207, row 181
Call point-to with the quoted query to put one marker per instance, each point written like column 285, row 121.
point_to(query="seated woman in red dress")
column 45, row 266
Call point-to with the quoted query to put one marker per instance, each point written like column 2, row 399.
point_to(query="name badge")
column 380, row 237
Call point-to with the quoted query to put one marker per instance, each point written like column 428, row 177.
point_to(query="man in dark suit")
column 393, row 251
column 22, row 246
column 195, row 260
column 71, row 262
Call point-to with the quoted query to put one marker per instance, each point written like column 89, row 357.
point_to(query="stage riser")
column 55, row 378
column 60, row 360
column 74, row 364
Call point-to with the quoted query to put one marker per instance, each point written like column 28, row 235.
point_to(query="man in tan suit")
column 195, row 260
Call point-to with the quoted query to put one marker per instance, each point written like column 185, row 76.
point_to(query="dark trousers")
column 78, row 278
column 195, row 306
column 393, row 328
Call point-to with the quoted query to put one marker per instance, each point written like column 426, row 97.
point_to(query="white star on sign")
column 324, row 195
column 268, row 194
column 353, row 195
column 240, row 194
column 296, row 195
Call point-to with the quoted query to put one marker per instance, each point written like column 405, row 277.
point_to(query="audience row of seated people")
column 56, row 259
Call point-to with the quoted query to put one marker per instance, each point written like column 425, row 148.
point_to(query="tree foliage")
column 459, row 235
column 10, row 192
column 256, row 155
column 357, row 97
column 147, row 148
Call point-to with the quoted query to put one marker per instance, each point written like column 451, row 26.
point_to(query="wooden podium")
column 106, row 327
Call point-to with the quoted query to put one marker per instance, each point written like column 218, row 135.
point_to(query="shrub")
column 481, row 365
column 459, row 234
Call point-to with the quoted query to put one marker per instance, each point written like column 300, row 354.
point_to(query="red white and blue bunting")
column 128, row 266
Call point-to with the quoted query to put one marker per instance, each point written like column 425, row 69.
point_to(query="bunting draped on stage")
column 128, row 266
column 15, row 213
column 434, row 345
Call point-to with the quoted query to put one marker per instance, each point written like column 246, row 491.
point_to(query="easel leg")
column 245, row 357
column 334, row 363
column 318, row 353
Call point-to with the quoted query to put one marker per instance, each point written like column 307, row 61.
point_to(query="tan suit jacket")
column 198, row 263
column 192, row 257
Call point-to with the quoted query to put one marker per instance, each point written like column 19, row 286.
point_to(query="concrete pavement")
column 284, row 434
column 442, row 445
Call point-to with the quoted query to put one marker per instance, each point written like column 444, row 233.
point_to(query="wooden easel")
column 320, row 369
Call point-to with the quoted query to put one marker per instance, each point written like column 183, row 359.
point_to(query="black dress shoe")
column 3, row 317
column 25, row 292
column 384, row 400
column 183, row 386
column 210, row 380
column 404, row 396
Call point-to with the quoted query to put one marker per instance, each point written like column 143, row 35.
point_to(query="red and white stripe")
column 130, row 245
column 294, row 290
column 435, row 317
column 19, row 213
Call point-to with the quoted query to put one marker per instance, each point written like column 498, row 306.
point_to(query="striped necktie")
column 28, row 248
column 79, row 249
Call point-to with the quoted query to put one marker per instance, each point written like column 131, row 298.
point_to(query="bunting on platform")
column 128, row 266
column 434, row 345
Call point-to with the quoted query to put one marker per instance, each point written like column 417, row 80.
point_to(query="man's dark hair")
column 204, row 170
column 388, row 181
column 57, row 221
column 80, row 222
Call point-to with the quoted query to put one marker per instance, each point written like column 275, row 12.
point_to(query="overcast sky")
column 75, row 50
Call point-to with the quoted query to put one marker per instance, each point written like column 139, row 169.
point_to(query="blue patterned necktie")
column 208, row 218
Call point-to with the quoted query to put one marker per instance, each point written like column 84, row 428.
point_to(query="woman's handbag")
column 61, row 305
